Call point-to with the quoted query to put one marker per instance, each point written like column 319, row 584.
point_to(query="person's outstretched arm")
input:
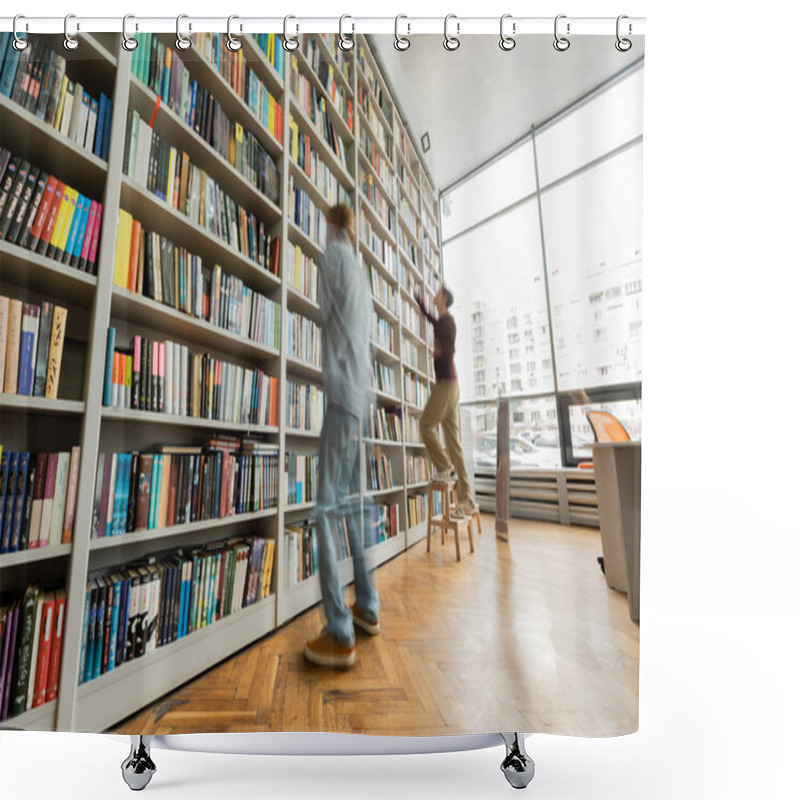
column 421, row 304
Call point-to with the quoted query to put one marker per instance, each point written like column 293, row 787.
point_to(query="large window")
column 508, row 243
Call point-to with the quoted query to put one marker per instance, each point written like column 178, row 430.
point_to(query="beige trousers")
column 442, row 407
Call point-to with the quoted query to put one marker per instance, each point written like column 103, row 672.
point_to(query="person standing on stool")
column 345, row 309
column 442, row 405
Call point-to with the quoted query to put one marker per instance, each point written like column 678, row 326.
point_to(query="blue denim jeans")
column 339, row 475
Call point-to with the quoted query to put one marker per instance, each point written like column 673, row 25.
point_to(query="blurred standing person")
column 442, row 405
column 345, row 309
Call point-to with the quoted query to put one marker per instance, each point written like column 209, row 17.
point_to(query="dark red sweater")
column 444, row 345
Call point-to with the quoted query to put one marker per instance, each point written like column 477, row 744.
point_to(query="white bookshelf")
column 104, row 701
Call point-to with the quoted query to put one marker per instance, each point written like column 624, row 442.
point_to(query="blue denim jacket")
column 345, row 309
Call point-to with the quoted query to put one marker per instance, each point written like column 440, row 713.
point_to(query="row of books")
column 384, row 523
column 371, row 79
column 409, row 351
column 149, row 264
column 133, row 609
column 376, row 198
column 31, row 638
column 377, row 245
column 303, row 339
column 408, row 216
column 169, row 175
column 431, row 278
column 314, row 165
column 301, row 550
column 304, row 213
column 382, row 332
column 301, row 477
column 47, row 216
column 410, row 316
column 163, row 71
column 316, row 109
column 385, row 423
column 379, row 471
column 383, row 378
column 407, row 247
column 37, row 498
column 164, row 377
column 408, row 182
column 242, row 78
column 31, row 347
column 414, row 390
column 380, row 163
column 271, row 46
column 302, row 273
column 319, row 60
column 411, row 429
column 382, row 290
column 36, row 79
column 180, row 484
column 418, row 469
column 417, row 507
column 370, row 115
column 305, row 406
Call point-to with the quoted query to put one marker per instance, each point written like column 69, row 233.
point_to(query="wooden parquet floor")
column 519, row 636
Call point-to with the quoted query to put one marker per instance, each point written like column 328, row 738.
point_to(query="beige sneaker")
column 372, row 628
column 326, row 652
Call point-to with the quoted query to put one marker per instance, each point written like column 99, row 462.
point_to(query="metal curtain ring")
column 129, row 43
column 623, row 45
column 289, row 43
column 19, row 43
column 451, row 43
column 507, row 42
column 182, row 42
column 401, row 43
column 70, row 42
column 561, row 43
column 346, row 42
column 233, row 44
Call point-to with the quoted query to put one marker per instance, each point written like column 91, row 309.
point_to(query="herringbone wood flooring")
column 522, row 636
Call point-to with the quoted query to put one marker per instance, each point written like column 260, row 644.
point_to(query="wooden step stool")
column 446, row 521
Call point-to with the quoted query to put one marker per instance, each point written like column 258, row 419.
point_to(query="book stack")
column 301, row 548
column 303, row 339
column 47, row 216
column 431, row 278
column 323, row 69
column 315, row 107
column 180, row 484
column 376, row 198
column 379, row 471
column 304, row 213
column 302, row 273
column 417, row 469
column 410, row 316
column 408, row 216
column 164, row 377
column 412, row 432
column 409, row 352
column 371, row 80
column 414, row 390
column 133, row 609
column 305, row 406
column 31, row 636
column 162, row 70
column 385, row 423
column 383, row 378
column 37, row 498
column 382, row 291
column 407, row 182
column 314, row 166
column 382, row 333
column 169, row 174
column 370, row 115
column 301, row 477
column 383, row 523
column 31, row 347
column 36, row 79
column 376, row 244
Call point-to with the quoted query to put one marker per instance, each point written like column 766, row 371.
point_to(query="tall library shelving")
column 333, row 133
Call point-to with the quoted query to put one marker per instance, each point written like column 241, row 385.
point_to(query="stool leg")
column 430, row 517
column 478, row 518
column 469, row 530
column 458, row 545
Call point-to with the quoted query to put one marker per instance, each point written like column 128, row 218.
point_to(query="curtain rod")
column 407, row 26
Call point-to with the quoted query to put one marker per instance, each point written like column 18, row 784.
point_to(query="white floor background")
column 720, row 594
